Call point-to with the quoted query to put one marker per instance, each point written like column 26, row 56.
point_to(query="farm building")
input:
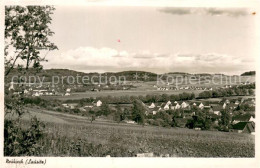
column 244, row 127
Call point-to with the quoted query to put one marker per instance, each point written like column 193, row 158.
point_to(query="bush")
column 20, row 142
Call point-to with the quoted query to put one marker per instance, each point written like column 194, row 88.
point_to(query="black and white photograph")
column 122, row 81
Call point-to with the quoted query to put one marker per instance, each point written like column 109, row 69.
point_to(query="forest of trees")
column 250, row 73
column 242, row 90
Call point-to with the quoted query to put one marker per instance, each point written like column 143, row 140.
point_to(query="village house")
column 201, row 106
column 252, row 119
column 67, row 94
column 36, row 94
column 224, row 106
column 11, row 86
column 68, row 89
column 244, row 127
column 184, row 105
column 26, row 91
column 169, row 103
column 65, row 105
column 177, row 106
column 166, row 107
column 152, row 106
column 99, row 103
column 72, row 105
column 227, row 101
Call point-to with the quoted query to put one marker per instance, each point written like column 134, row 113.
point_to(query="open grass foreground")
column 66, row 135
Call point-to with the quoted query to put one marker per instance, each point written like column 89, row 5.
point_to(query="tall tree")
column 138, row 112
column 27, row 33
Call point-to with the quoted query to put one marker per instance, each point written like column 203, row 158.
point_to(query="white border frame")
column 135, row 162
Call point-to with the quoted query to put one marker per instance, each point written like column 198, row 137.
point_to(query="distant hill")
column 249, row 73
column 49, row 74
column 178, row 73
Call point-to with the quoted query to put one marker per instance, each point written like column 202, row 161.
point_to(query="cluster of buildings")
column 39, row 90
column 241, row 123
column 182, row 88
column 90, row 105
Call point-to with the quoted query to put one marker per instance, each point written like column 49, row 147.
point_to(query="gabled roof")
column 242, row 126
column 242, row 118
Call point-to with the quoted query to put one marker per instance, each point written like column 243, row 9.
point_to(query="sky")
column 154, row 39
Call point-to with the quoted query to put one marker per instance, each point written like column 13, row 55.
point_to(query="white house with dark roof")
column 151, row 106
column 236, row 102
column 11, row 86
column 169, row 102
column 201, row 106
column 99, row 103
column 224, row 106
column 177, row 106
column 67, row 94
column 252, row 119
column 184, row 105
column 166, row 107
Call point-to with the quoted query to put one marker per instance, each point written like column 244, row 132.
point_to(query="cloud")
column 233, row 12
column 176, row 11
column 227, row 12
column 90, row 59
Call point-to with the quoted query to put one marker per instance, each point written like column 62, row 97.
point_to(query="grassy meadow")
column 118, row 93
column 69, row 135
